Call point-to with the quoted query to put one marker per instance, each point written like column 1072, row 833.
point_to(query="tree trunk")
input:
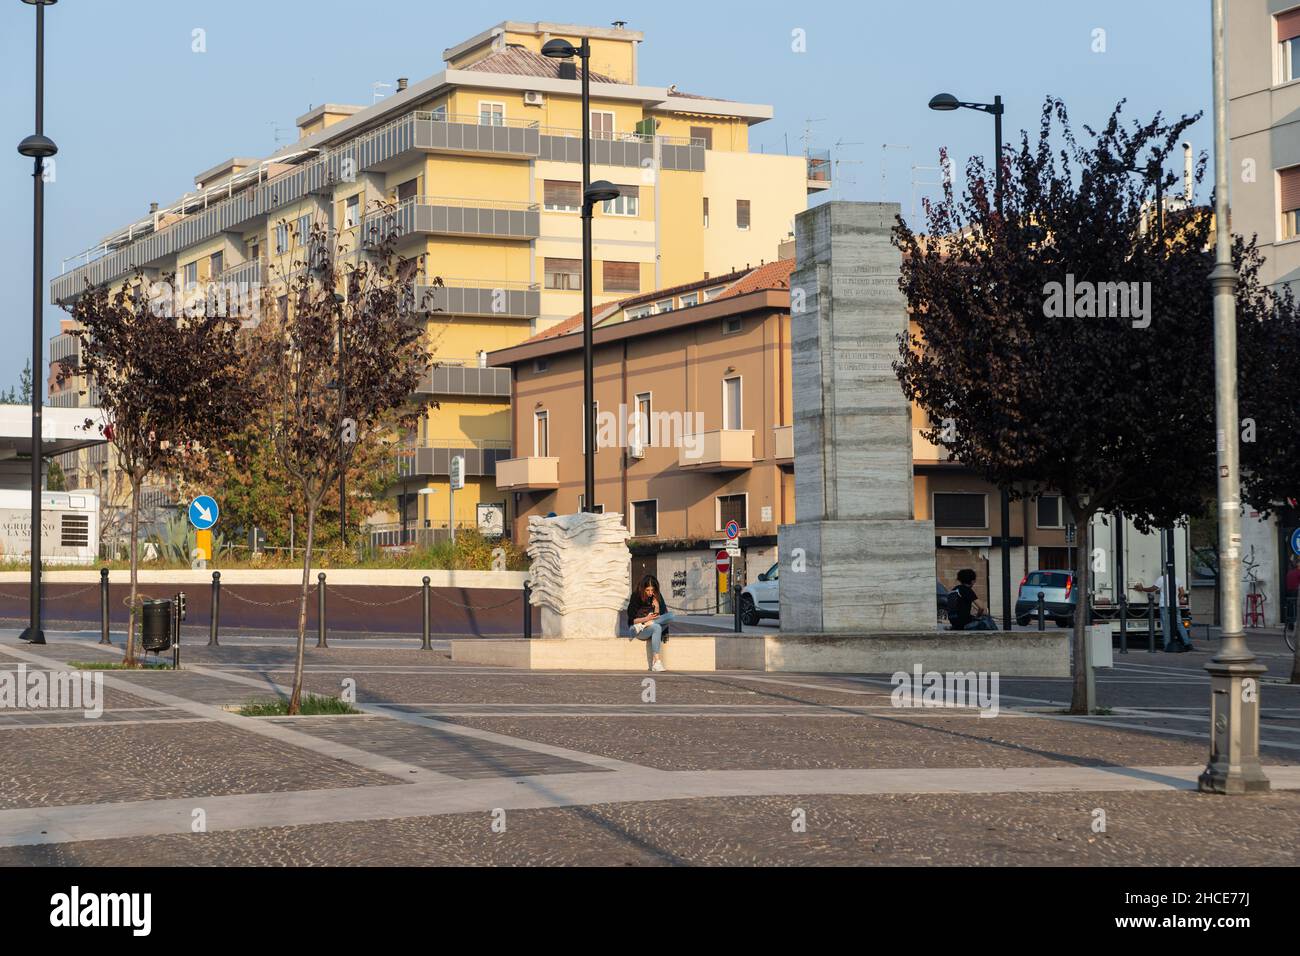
column 295, row 701
column 1079, row 702
column 129, row 659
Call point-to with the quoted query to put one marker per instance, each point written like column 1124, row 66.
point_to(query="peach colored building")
column 694, row 428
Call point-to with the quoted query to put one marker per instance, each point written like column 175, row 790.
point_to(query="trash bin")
column 156, row 625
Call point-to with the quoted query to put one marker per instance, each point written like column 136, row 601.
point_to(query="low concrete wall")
column 1010, row 653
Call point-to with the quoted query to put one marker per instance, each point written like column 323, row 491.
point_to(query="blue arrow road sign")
column 1295, row 541
column 204, row 512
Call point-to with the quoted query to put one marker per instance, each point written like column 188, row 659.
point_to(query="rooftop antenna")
column 375, row 95
column 835, row 185
column 276, row 130
column 944, row 174
column 884, row 152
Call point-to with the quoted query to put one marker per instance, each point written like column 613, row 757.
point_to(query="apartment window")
column 732, row 324
column 641, row 438
column 491, row 114
column 960, row 510
column 595, row 422
column 742, row 213
column 282, row 306
column 559, row 195
column 304, row 228
column 216, row 265
column 252, row 246
column 351, row 211
column 665, row 305
column 690, row 299
column 407, row 190
column 628, row 202
column 281, row 237
column 541, row 365
column 1288, row 39
column 602, row 124
column 1051, row 511
column 731, row 403
column 622, row 276
column 645, row 518
column 638, row 312
column 541, row 434
column 732, row 508
column 1288, row 181
column 706, row 212
column 562, row 273
column 439, row 113
column 711, row 294
column 191, row 273
column 705, row 133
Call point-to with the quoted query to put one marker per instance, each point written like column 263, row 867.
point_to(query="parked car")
column 1060, row 597
column 762, row 599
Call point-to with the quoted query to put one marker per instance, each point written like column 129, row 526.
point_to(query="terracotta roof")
column 521, row 61
column 771, row 275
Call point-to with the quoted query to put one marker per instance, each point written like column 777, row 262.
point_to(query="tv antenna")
column 375, row 95
column 884, row 154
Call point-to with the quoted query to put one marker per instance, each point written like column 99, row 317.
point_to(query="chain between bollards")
column 425, row 644
column 216, row 609
column 103, row 606
column 320, row 610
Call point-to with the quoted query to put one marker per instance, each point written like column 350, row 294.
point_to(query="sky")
column 137, row 113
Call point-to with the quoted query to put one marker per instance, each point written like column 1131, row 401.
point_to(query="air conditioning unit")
column 534, row 98
column 965, row 541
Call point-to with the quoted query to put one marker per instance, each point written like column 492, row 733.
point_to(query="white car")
column 762, row 598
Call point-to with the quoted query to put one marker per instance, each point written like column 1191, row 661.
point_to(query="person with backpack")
column 964, row 610
column 648, row 617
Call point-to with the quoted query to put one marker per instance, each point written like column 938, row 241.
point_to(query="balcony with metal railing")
column 433, row 457
column 65, row 347
column 456, row 216
column 221, row 208
column 464, row 376
column 250, row 272
column 479, row 297
column 819, row 169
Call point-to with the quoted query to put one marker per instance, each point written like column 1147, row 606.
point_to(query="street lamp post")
column 1234, row 673
column 946, row 103
column 39, row 147
column 592, row 193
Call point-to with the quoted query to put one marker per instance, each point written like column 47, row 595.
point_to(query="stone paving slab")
column 919, row 739
column 1183, row 829
column 18, row 719
column 452, row 754
column 59, row 766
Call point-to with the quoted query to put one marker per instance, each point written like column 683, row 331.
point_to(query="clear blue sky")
column 137, row 114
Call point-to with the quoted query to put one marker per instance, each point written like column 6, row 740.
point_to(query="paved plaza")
column 460, row 764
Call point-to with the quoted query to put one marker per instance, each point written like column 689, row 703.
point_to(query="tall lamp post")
column 592, row 193
column 39, row 147
column 1234, row 673
column 946, row 103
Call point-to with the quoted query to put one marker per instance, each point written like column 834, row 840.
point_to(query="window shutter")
column 742, row 213
column 622, row 276
column 1288, row 25
column 1289, row 186
column 705, row 133
column 560, row 193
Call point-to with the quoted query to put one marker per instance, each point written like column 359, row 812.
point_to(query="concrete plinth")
column 1010, row 654
column 684, row 653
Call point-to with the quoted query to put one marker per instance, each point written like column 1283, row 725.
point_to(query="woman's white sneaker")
column 658, row 666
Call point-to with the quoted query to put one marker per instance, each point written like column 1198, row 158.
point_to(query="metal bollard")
column 1042, row 612
column 528, row 611
column 215, row 621
column 320, row 610
column 424, row 593
column 1123, row 624
column 735, row 604
column 103, row 606
column 1151, row 622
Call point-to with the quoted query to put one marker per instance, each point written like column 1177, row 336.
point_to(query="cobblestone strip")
column 64, row 824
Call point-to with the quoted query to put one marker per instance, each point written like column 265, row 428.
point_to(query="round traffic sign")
column 724, row 562
column 204, row 512
column 733, row 529
column 1295, row 541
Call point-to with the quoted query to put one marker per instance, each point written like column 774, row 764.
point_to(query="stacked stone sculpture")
column 580, row 574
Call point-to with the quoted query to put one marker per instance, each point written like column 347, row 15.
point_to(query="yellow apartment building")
column 482, row 162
